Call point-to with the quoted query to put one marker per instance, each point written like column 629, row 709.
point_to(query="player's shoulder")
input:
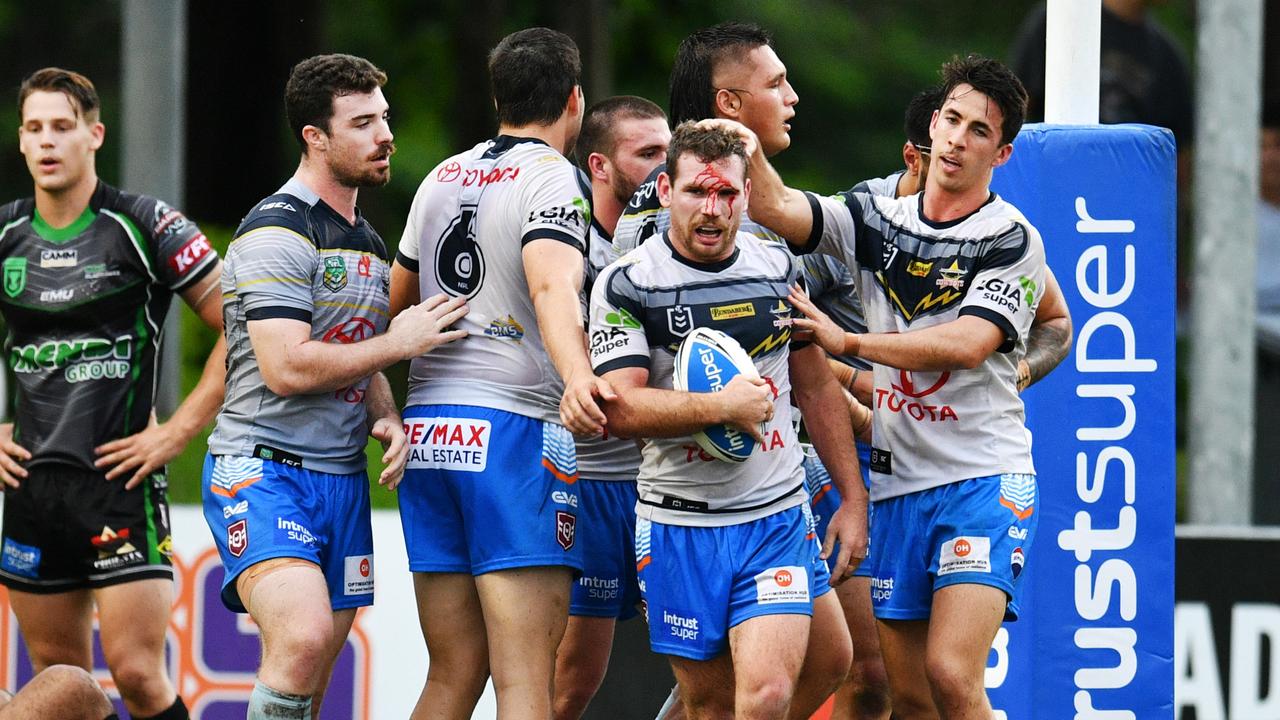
column 645, row 198
column 16, row 210
column 768, row 255
column 149, row 214
column 281, row 209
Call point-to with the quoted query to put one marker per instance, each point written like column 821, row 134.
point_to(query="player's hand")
column 746, row 403
column 11, row 453
column 579, row 410
column 390, row 432
column 848, row 527
column 143, row 453
column 419, row 328
column 814, row 324
column 749, row 138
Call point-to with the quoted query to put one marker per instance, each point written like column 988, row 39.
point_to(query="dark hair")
column 531, row 73
column 78, row 89
column 708, row 144
column 993, row 79
column 915, row 124
column 601, row 121
column 316, row 81
column 693, row 92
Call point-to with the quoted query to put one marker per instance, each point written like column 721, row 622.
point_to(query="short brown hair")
column 532, row 72
column 78, row 89
column 600, row 123
column 708, row 144
column 993, row 79
column 316, row 81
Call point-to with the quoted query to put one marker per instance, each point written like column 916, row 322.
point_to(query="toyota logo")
column 908, row 388
column 350, row 331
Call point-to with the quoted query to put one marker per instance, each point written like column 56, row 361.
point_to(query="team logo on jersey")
column 335, row 273
column 168, row 220
column 781, row 314
column 566, row 527
column 15, row 276
column 952, row 276
column 680, row 320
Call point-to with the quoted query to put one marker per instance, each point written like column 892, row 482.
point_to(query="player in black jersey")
column 88, row 274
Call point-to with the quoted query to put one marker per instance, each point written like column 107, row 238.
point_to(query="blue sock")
column 268, row 704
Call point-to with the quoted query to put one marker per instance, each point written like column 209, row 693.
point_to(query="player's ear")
column 664, row 189
column 315, row 138
column 727, row 104
column 1002, row 155
column 910, row 156
column 597, row 166
column 99, row 133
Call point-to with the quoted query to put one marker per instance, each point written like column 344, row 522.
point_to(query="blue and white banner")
column 1096, row 642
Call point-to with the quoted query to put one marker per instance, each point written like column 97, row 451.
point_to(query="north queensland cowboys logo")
column 680, row 320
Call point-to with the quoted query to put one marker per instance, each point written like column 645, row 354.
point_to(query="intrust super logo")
column 448, row 443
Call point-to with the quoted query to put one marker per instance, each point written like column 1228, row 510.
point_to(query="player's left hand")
column 848, row 527
column 390, row 432
column 144, row 452
column 815, row 325
column 579, row 411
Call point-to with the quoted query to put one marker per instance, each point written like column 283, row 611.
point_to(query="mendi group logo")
column 212, row 653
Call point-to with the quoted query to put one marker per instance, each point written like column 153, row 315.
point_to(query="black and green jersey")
column 84, row 306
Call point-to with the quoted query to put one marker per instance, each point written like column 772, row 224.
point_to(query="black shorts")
column 66, row 529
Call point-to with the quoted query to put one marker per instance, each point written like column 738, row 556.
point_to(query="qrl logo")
column 783, row 578
column 566, row 524
column 364, row 567
column 963, row 548
column 238, row 537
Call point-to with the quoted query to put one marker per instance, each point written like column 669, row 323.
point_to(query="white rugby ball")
column 705, row 362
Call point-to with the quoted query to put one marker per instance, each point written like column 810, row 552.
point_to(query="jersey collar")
column 716, row 266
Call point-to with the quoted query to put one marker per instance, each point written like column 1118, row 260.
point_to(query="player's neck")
column 942, row 205
column 556, row 134
column 316, row 176
column 63, row 207
column 605, row 207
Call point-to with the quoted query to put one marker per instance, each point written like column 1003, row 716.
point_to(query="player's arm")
column 147, row 451
column 642, row 411
column 404, row 287
column 860, row 383
column 1049, row 339
column 784, row 210
column 960, row 344
column 385, row 425
column 292, row 363
column 821, row 401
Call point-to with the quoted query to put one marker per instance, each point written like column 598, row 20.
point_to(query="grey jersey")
column 641, row 308
column 295, row 257
column 470, row 220
column 603, row 457
column 644, row 217
column 935, row 428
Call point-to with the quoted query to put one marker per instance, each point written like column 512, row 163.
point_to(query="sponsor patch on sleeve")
column 357, row 575
column 965, row 554
column 788, row 584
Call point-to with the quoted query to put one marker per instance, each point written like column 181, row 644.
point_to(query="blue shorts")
column 488, row 490
column 974, row 531
column 698, row 582
column 259, row 510
column 824, row 498
column 607, row 531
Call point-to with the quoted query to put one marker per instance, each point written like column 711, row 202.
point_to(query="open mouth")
column 49, row 163
column 709, row 233
column 949, row 163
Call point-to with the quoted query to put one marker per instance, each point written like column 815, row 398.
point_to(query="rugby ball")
column 705, row 362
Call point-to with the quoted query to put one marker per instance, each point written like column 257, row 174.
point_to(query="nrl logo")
column 335, row 273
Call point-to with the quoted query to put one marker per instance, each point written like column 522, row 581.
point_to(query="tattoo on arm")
column 1047, row 344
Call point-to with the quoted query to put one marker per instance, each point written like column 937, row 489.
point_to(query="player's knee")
column 711, row 701
column 139, row 678
column 950, row 677
column 574, row 693
column 301, row 652
column 768, row 696
column 868, row 676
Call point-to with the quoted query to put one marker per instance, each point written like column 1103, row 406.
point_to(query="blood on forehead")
column 712, row 182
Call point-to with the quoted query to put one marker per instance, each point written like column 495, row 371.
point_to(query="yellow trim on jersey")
column 265, row 228
column 352, row 306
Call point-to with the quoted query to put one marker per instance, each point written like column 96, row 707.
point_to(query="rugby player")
column 89, row 272
column 952, row 277
column 731, row 71
column 623, row 138
column 743, row 529
column 490, row 501
column 305, row 292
